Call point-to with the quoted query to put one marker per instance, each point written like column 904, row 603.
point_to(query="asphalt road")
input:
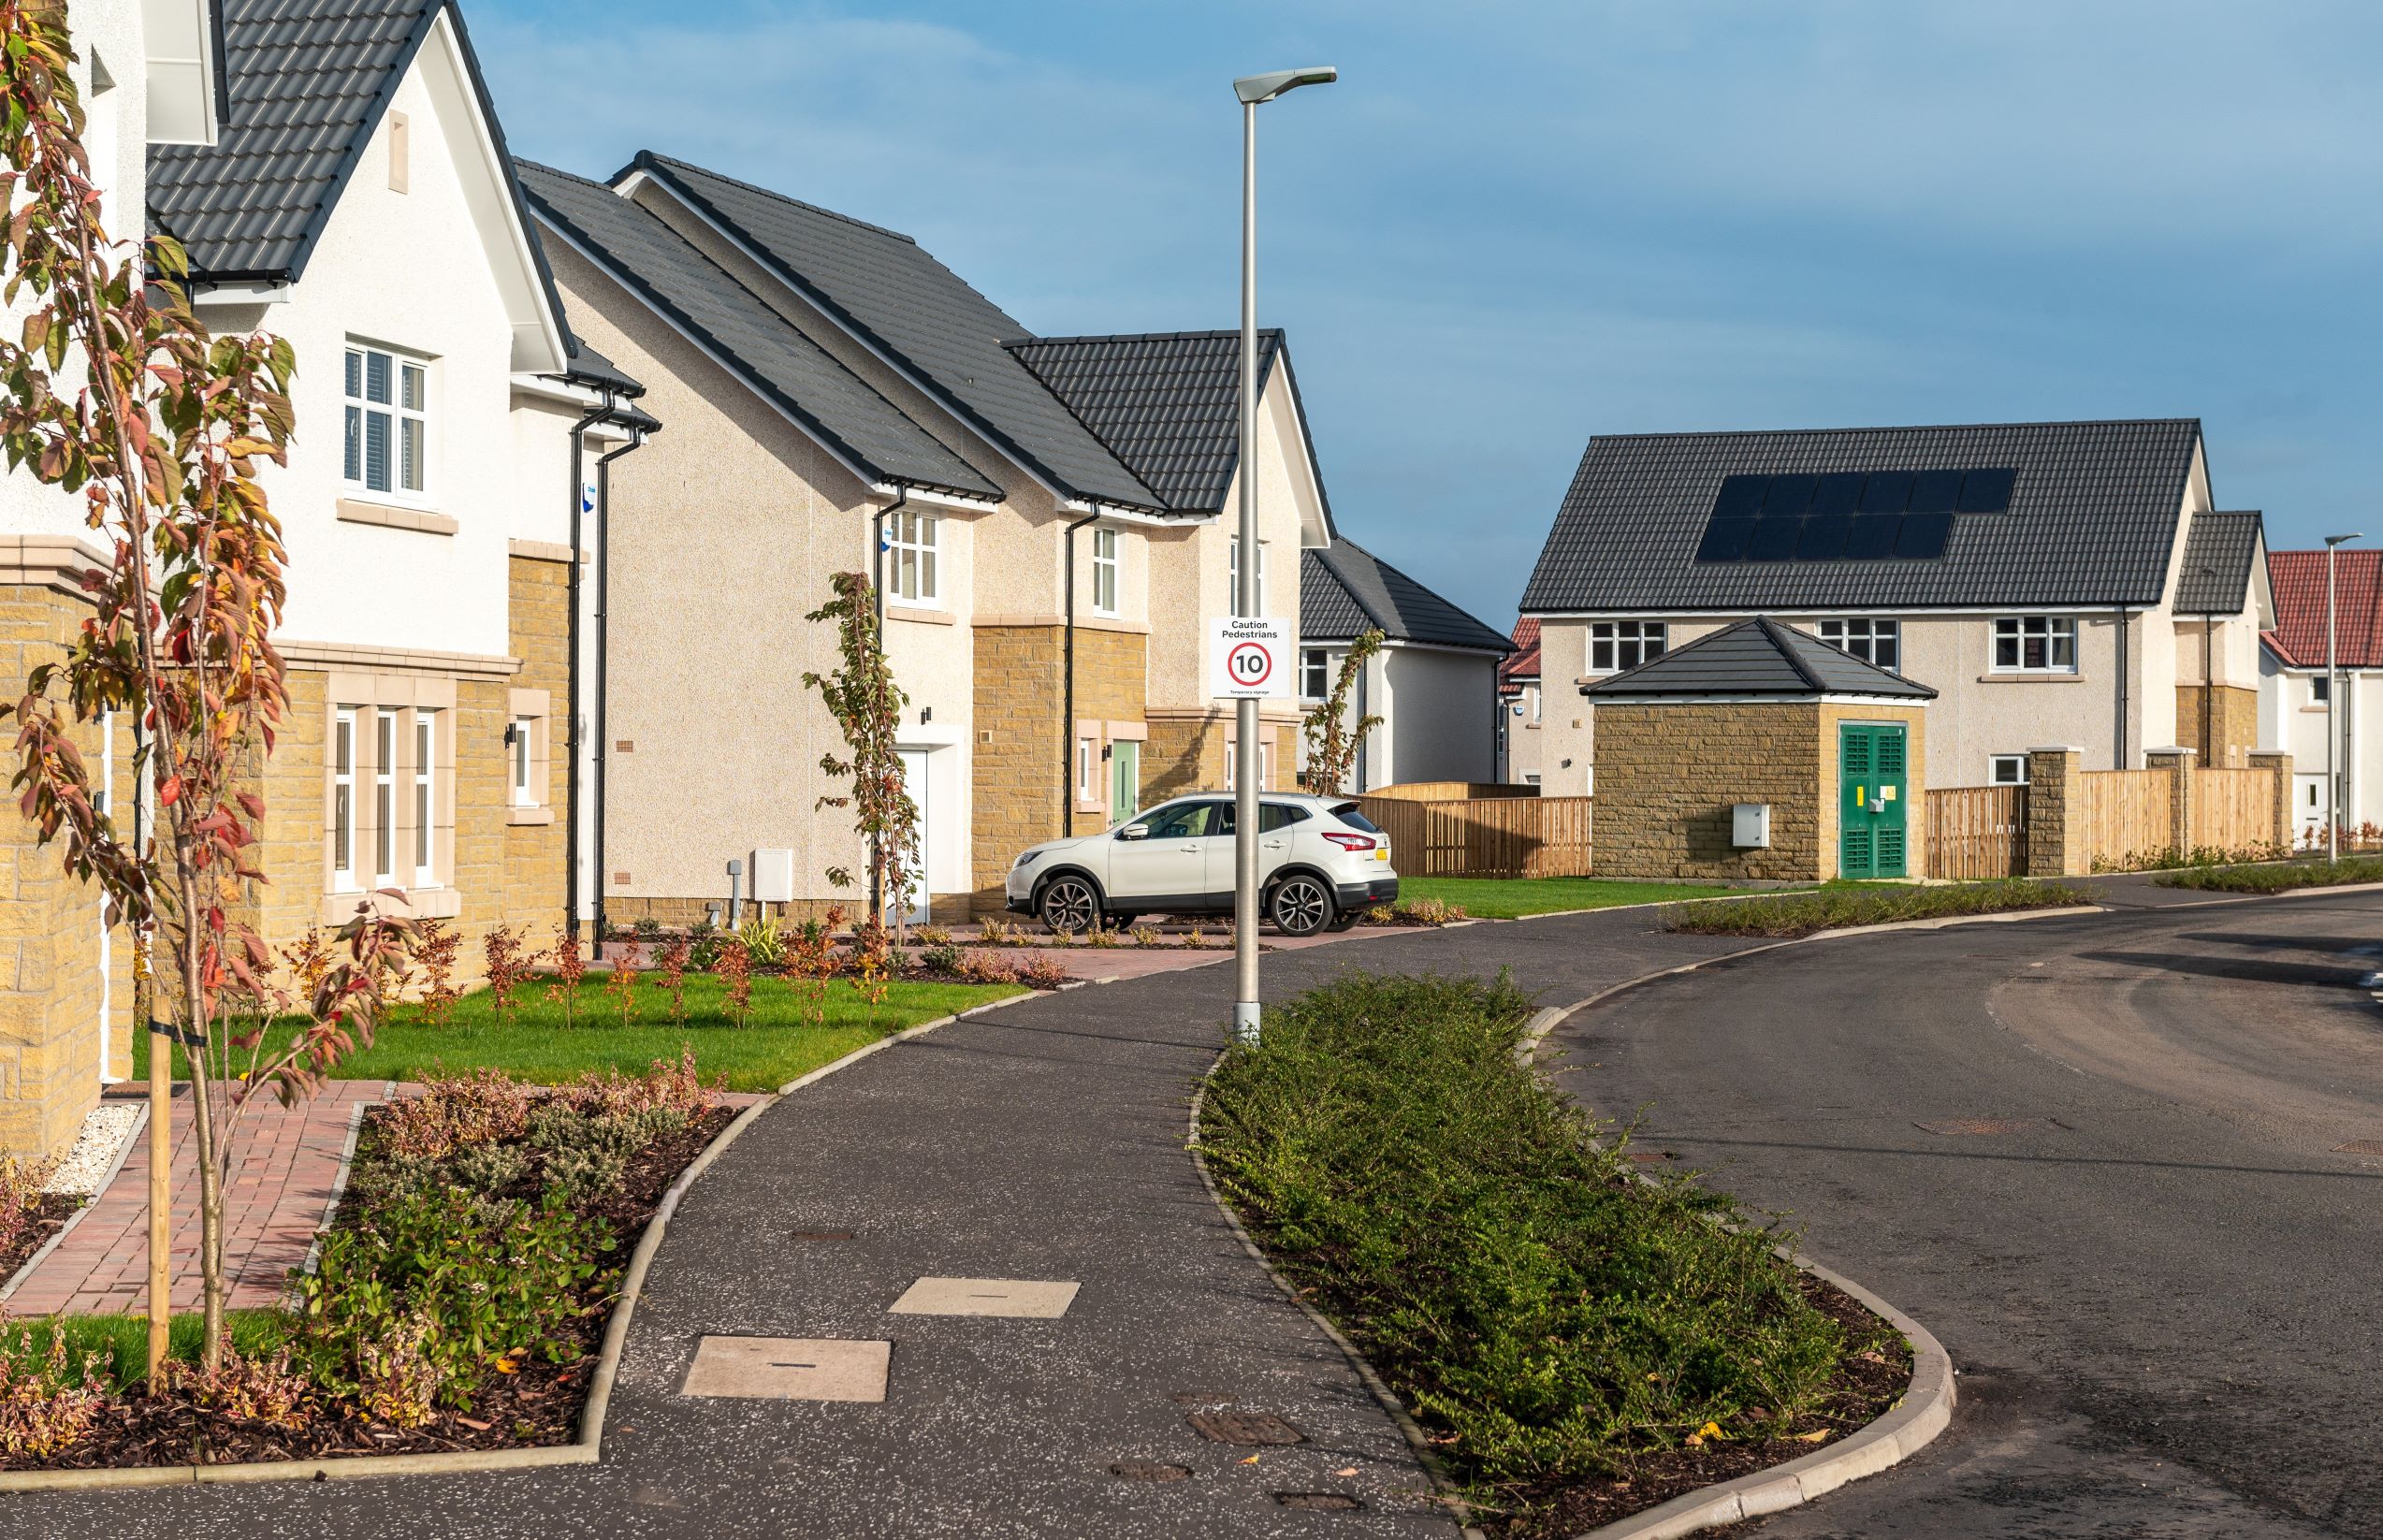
column 2156, row 1272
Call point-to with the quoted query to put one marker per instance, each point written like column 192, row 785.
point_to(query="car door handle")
column 1273, row 844
column 1193, row 848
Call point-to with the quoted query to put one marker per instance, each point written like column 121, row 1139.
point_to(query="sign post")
column 1249, row 660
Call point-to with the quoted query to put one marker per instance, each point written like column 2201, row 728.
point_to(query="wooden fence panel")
column 2129, row 816
column 1977, row 832
column 1487, row 837
column 2234, row 809
column 1451, row 791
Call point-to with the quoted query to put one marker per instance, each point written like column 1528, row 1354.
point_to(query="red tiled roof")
column 1523, row 662
column 2298, row 578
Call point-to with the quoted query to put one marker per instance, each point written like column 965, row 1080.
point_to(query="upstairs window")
column 910, row 546
column 1617, row 645
column 388, row 424
column 1879, row 641
column 1105, row 566
column 2320, row 691
column 1314, row 674
column 2035, row 644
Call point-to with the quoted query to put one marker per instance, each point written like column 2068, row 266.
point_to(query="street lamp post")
column 1254, row 91
column 2332, row 688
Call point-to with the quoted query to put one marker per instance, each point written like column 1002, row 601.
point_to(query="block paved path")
column 1043, row 1142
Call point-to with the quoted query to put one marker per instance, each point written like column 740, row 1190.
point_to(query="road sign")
column 1250, row 660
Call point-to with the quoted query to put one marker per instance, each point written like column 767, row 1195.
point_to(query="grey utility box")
column 1749, row 825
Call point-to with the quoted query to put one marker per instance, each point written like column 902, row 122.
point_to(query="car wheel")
column 1300, row 905
column 1068, row 904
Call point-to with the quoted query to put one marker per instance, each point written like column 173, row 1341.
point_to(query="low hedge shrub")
column 1837, row 909
column 2282, row 876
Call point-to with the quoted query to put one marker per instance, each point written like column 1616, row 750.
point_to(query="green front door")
column 1124, row 780
column 1871, row 797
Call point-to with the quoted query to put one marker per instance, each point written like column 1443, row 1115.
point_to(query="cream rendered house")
column 2056, row 583
column 1521, row 708
column 839, row 401
column 2310, row 683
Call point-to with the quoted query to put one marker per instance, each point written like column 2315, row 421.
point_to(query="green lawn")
column 1511, row 898
column 122, row 1341
column 778, row 1042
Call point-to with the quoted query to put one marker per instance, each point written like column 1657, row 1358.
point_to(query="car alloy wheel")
column 1069, row 904
column 1299, row 907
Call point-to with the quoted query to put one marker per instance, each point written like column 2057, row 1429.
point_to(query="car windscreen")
column 1354, row 815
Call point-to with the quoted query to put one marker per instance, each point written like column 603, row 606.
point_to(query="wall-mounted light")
column 926, row 715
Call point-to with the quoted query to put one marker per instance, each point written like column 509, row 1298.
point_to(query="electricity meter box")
column 1749, row 825
column 772, row 877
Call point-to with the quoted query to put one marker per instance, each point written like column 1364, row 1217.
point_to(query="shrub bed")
column 1837, row 909
column 2282, row 877
column 459, row 1300
column 29, row 1216
column 1577, row 1342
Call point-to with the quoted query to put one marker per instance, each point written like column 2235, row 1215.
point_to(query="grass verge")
column 1511, row 898
column 2282, row 877
column 531, row 1042
column 118, row 1345
column 1839, row 908
column 1551, row 1319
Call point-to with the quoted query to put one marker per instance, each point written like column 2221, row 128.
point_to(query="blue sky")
column 1512, row 225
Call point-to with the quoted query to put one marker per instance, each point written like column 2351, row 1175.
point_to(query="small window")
column 1233, row 763
column 1233, row 577
column 2035, row 644
column 1617, row 645
column 525, row 789
column 384, row 742
column 910, row 541
column 2320, row 691
column 388, row 448
column 343, row 801
column 1104, row 571
column 1314, row 674
column 2010, row 770
column 1088, row 770
column 426, row 739
column 1878, row 642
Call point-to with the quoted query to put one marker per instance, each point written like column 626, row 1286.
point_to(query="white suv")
column 1321, row 863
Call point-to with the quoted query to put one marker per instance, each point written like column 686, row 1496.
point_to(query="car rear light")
column 1351, row 842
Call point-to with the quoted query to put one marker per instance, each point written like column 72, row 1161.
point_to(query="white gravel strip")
column 105, row 1128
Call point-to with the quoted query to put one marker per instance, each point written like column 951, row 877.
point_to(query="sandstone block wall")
column 1668, row 775
column 2236, row 712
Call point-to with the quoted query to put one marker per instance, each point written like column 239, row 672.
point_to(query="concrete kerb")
column 123, row 1153
column 584, row 1450
column 1443, row 1484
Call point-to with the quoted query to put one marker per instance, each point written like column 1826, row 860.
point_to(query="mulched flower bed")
column 1866, row 1386
column 537, row 1403
column 44, row 1218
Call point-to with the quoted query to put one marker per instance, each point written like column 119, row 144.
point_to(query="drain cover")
column 1245, row 1428
column 2361, row 1146
column 1319, row 1501
column 1986, row 1125
column 1149, row 1469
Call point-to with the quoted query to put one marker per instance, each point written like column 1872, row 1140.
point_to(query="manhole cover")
column 1037, row 1299
column 1245, row 1428
column 1986, row 1125
column 1149, row 1469
column 2361, row 1146
column 789, row 1368
column 1317, row 1501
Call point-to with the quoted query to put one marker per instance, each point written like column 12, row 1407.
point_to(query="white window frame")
column 1866, row 638
column 407, row 417
column 1108, row 571
column 384, row 742
column 1233, row 580
column 342, row 829
column 914, row 563
column 1314, row 674
column 2320, row 689
column 522, row 756
column 1610, row 642
column 1265, row 763
column 2015, row 763
column 1088, row 789
column 425, row 770
column 2019, row 630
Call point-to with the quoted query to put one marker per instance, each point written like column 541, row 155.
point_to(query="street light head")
column 2331, row 541
column 1255, row 89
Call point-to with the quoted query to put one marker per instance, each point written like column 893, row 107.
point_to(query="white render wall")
column 2291, row 718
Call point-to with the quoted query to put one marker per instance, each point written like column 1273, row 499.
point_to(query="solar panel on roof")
column 1789, row 496
column 1839, row 493
column 1924, row 535
column 1724, row 539
column 1824, row 537
column 1986, row 491
column 1934, row 491
column 1774, row 539
column 1886, row 491
column 1740, row 497
column 1872, row 536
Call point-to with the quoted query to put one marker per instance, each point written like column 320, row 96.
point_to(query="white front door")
column 914, row 780
column 2308, row 808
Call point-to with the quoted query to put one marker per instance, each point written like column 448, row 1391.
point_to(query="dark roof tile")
column 1345, row 590
column 2213, row 577
column 1758, row 657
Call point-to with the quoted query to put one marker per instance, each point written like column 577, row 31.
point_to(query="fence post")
column 2280, row 801
column 2056, row 813
column 2178, row 762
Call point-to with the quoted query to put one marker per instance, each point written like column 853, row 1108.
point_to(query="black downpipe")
column 2119, row 763
column 570, row 791
column 603, row 649
column 1067, row 710
column 876, row 588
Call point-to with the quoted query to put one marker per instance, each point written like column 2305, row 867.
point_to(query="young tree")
column 115, row 391
column 867, row 705
column 1332, row 740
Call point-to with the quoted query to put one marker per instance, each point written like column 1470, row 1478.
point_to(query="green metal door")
column 1871, row 799
column 1124, row 780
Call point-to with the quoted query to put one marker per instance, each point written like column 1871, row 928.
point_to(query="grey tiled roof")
column 2213, row 577
column 588, row 367
column 913, row 308
column 2092, row 519
column 748, row 338
column 1165, row 403
column 1757, row 656
column 1345, row 590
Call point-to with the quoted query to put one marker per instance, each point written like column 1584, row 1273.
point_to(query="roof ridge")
column 1214, row 333
column 1784, row 639
column 1906, row 428
column 646, row 159
column 1325, row 555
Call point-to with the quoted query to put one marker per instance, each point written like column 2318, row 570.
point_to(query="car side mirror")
column 1134, row 830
